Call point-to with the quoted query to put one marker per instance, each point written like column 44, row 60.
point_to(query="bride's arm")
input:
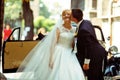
column 51, row 62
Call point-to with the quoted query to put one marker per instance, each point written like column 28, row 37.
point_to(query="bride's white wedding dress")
column 65, row 67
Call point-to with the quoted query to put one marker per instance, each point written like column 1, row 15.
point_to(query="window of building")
column 94, row 4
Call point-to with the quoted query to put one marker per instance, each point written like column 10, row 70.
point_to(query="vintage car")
column 14, row 51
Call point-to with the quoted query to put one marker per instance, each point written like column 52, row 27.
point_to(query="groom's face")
column 73, row 19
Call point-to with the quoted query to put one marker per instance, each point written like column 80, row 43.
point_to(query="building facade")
column 105, row 13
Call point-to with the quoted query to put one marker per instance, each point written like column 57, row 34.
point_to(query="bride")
column 52, row 58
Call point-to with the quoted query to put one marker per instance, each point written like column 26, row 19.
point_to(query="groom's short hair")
column 77, row 13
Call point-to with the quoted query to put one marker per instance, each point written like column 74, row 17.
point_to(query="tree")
column 44, row 10
column 38, row 22
column 41, row 21
column 28, row 18
column 48, row 24
column 12, row 10
column 1, row 21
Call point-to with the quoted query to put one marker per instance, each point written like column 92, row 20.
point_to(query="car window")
column 98, row 34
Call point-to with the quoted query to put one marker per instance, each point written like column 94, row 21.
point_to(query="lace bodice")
column 66, row 36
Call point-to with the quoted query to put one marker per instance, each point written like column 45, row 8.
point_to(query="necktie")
column 76, row 32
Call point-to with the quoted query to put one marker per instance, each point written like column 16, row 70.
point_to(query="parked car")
column 14, row 51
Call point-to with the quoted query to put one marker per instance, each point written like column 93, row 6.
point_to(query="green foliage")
column 12, row 9
column 38, row 22
column 48, row 23
column 43, row 22
column 44, row 10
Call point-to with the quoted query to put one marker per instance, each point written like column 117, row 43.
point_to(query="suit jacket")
column 89, row 47
column 40, row 36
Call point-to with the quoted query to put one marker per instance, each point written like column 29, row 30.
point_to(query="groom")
column 90, row 53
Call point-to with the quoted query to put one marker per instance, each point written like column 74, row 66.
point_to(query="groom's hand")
column 85, row 66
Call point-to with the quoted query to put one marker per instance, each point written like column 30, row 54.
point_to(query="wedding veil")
column 33, row 63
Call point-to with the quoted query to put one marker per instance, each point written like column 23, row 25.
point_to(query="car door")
column 14, row 51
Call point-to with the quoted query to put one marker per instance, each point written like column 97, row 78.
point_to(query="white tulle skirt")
column 66, row 66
